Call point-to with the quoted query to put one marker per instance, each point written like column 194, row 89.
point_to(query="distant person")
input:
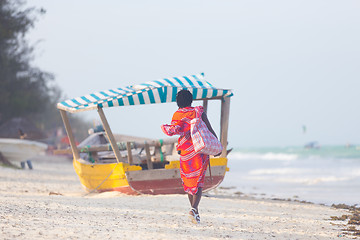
column 23, row 135
column 192, row 166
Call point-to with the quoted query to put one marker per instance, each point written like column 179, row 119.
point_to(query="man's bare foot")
column 194, row 216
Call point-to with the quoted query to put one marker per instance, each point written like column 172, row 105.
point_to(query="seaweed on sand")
column 353, row 218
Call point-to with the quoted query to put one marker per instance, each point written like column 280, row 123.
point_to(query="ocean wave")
column 298, row 179
column 275, row 171
column 263, row 156
column 314, row 181
column 355, row 172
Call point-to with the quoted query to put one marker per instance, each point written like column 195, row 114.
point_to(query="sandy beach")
column 49, row 203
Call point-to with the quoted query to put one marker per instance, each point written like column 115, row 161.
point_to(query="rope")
column 93, row 190
column 86, row 150
column 109, row 147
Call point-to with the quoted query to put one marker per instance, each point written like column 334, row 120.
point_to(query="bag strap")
column 198, row 112
column 211, row 180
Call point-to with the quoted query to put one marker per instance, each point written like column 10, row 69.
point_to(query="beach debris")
column 353, row 218
column 342, row 218
column 345, row 206
column 352, row 230
column 55, row 193
column 227, row 188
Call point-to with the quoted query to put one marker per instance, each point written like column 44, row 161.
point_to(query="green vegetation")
column 25, row 90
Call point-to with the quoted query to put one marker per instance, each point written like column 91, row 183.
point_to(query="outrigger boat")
column 136, row 165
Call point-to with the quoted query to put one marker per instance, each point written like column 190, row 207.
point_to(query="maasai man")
column 192, row 165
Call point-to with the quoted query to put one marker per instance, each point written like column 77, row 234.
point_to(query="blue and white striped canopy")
column 158, row 91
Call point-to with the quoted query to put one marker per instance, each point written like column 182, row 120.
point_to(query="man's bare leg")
column 196, row 199
column 191, row 197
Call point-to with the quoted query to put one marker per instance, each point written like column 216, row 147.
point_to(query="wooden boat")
column 137, row 165
column 20, row 150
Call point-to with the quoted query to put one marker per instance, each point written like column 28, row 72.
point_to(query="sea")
column 324, row 175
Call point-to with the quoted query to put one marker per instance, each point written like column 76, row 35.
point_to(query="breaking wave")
column 263, row 156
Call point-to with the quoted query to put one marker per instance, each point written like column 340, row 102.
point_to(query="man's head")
column 184, row 98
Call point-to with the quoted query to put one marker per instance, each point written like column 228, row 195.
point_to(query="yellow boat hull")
column 131, row 179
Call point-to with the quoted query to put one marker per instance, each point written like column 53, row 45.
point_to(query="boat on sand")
column 137, row 165
column 20, row 150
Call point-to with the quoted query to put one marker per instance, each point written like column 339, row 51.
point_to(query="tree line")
column 26, row 90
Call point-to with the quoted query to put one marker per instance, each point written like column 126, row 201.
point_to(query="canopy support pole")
column 69, row 132
column 224, row 122
column 109, row 134
column 148, row 156
column 205, row 105
column 130, row 158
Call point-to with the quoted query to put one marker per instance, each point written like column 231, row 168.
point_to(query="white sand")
column 27, row 211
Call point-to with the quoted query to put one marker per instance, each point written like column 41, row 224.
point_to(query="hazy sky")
column 289, row 63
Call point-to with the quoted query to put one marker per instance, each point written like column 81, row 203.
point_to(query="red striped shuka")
column 192, row 165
